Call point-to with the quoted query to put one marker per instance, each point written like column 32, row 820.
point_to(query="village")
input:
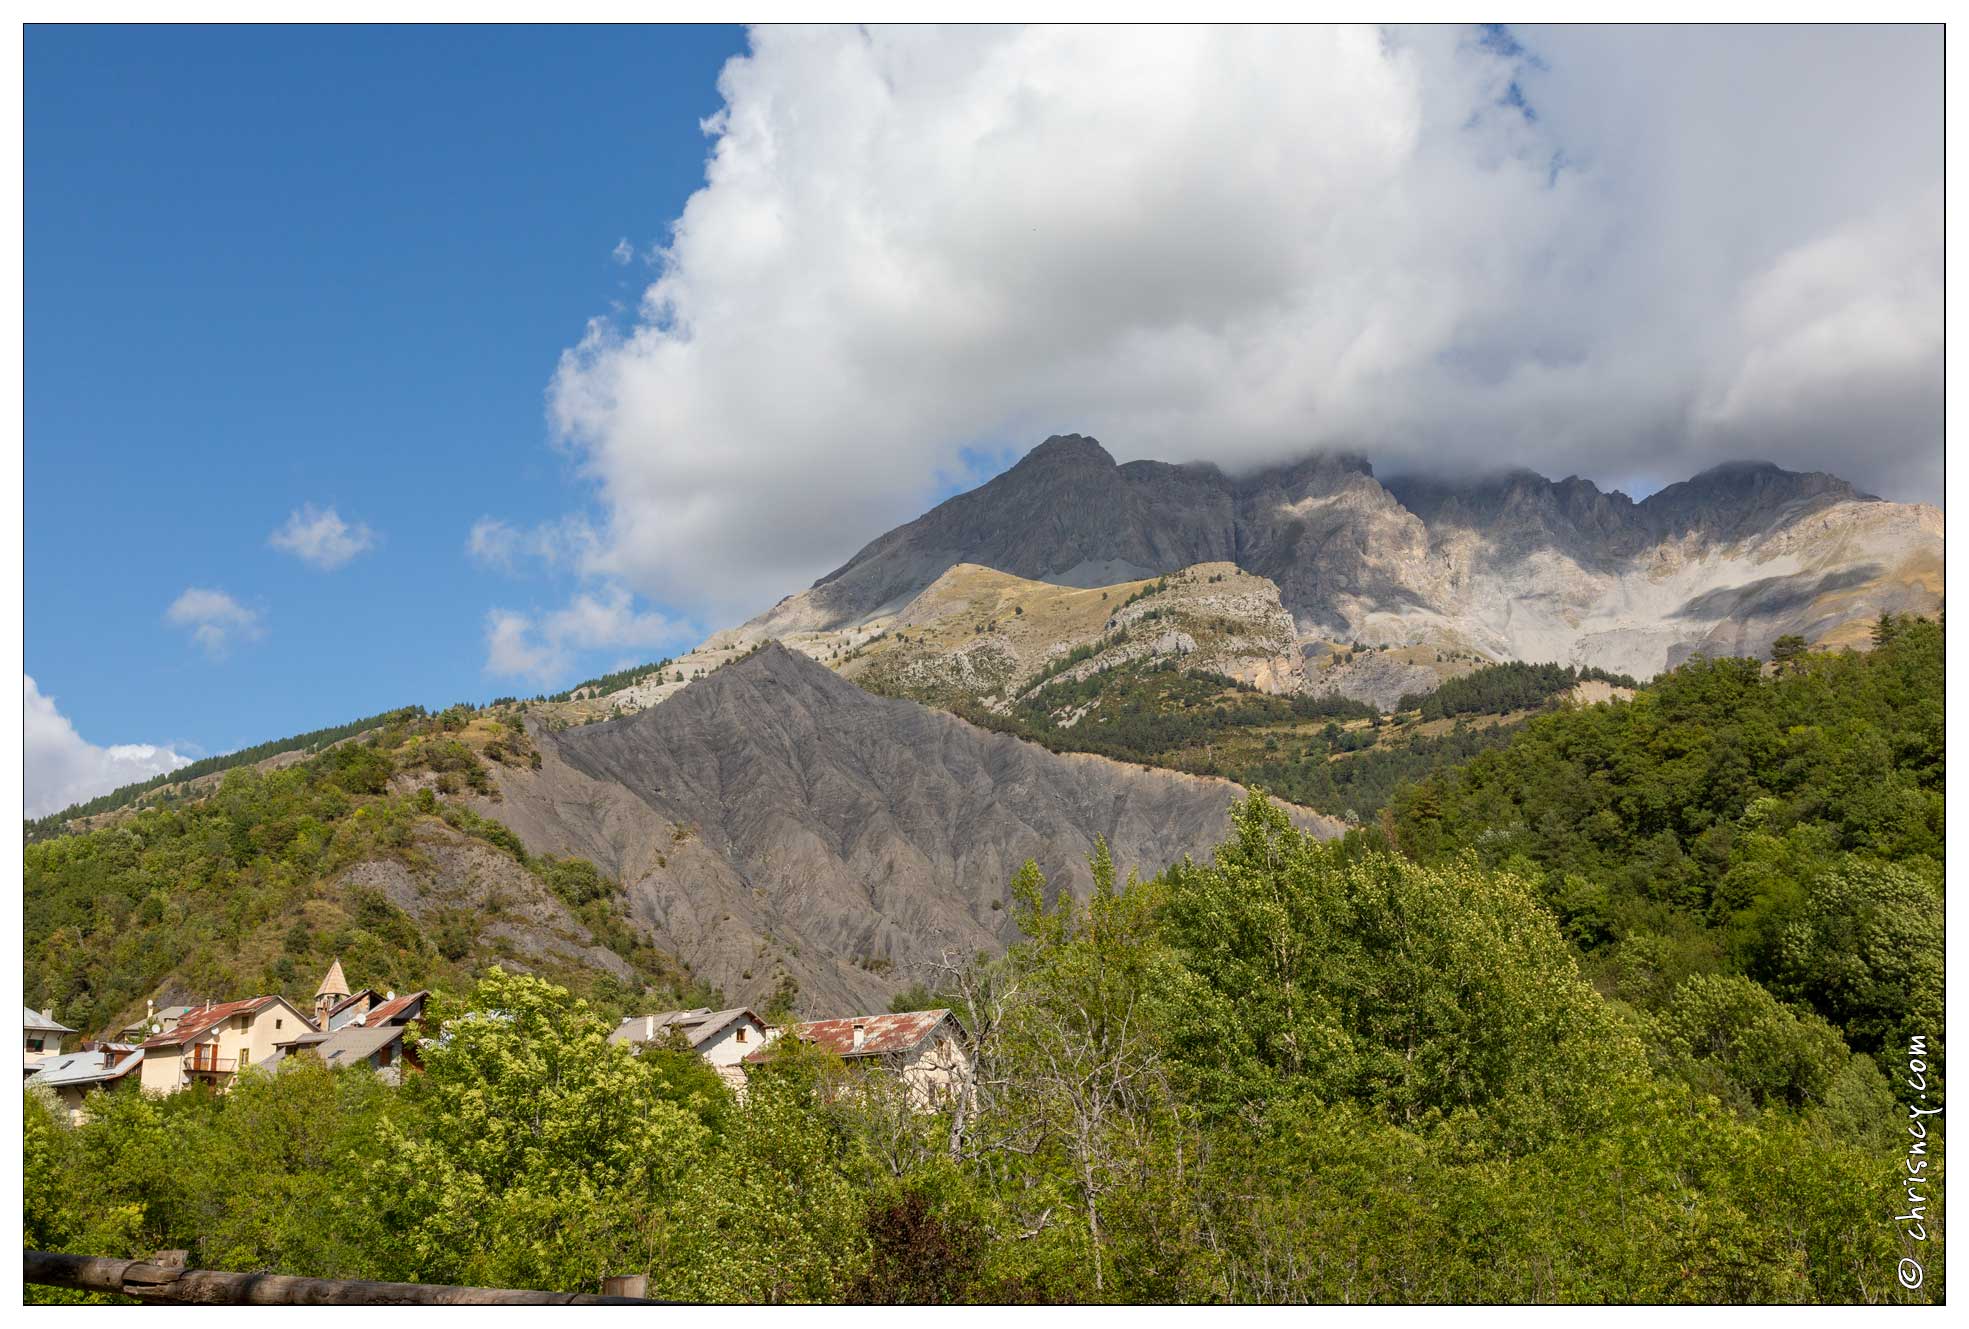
column 212, row 1045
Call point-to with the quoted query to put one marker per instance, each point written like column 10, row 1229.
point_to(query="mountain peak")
column 1749, row 473
column 1739, row 468
column 776, row 665
column 1736, row 494
column 1068, row 449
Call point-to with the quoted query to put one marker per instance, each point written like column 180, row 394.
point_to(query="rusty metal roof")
column 199, row 1022
column 397, row 1010
column 882, row 1035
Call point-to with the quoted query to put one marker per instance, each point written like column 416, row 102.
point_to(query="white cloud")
column 1610, row 251
column 320, row 538
column 216, row 619
column 492, row 543
column 511, row 650
column 62, row 768
column 542, row 648
column 498, row 545
column 623, row 252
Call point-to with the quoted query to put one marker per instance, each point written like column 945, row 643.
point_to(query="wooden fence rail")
column 162, row 1279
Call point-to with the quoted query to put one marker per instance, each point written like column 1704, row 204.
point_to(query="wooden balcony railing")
column 205, row 1061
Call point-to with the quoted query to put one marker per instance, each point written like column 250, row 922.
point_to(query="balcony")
column 204, row 1061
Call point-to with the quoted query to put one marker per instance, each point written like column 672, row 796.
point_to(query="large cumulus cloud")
column 1621, row 253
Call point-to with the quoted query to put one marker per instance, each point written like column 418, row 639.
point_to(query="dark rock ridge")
column 1511, row 565
column 775, row 819
column 1727, row 501
column 1068, row 513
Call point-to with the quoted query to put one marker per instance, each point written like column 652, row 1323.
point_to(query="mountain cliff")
column 1511, row 566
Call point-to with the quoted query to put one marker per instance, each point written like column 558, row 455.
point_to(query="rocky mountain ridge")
column 1512, row 566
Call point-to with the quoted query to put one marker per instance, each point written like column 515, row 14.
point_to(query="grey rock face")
column 1510, row 566
column 774, row 818
column 1066, row 513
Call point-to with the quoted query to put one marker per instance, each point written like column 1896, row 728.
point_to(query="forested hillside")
column 312, row 741
column 358, row 852
column 1783, row 826
column 1510, row 686
column 1298, row 1071
column 1332, row 753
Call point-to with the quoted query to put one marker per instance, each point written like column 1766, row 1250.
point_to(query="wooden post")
column 148, row 1281
column 626, row 1285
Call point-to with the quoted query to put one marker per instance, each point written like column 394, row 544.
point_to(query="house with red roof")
column 928, row 1050
column 215, row 1043
column 368, row 1027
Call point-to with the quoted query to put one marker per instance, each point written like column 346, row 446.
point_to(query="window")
column 278, row 1022
column 245, row 1055
column 741, row 1033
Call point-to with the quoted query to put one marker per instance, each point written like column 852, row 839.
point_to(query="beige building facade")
column 723, row 1038
column 217, row 1044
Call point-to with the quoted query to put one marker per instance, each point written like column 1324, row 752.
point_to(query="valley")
column 812, row 808
column 1367, row 887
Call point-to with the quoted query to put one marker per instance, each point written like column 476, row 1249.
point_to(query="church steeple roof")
column 334, row 985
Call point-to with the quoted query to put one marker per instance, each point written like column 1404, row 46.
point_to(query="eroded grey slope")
column 774, row 818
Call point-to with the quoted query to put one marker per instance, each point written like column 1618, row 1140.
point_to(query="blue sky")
column 352, row 271
column 285, row 266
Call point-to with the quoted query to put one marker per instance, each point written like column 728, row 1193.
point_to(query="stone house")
column 385, row 1048
column 927, row 1050
column 723, row 1038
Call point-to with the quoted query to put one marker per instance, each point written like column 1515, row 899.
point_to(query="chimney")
column 49, row 1015
column 861, row 1034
